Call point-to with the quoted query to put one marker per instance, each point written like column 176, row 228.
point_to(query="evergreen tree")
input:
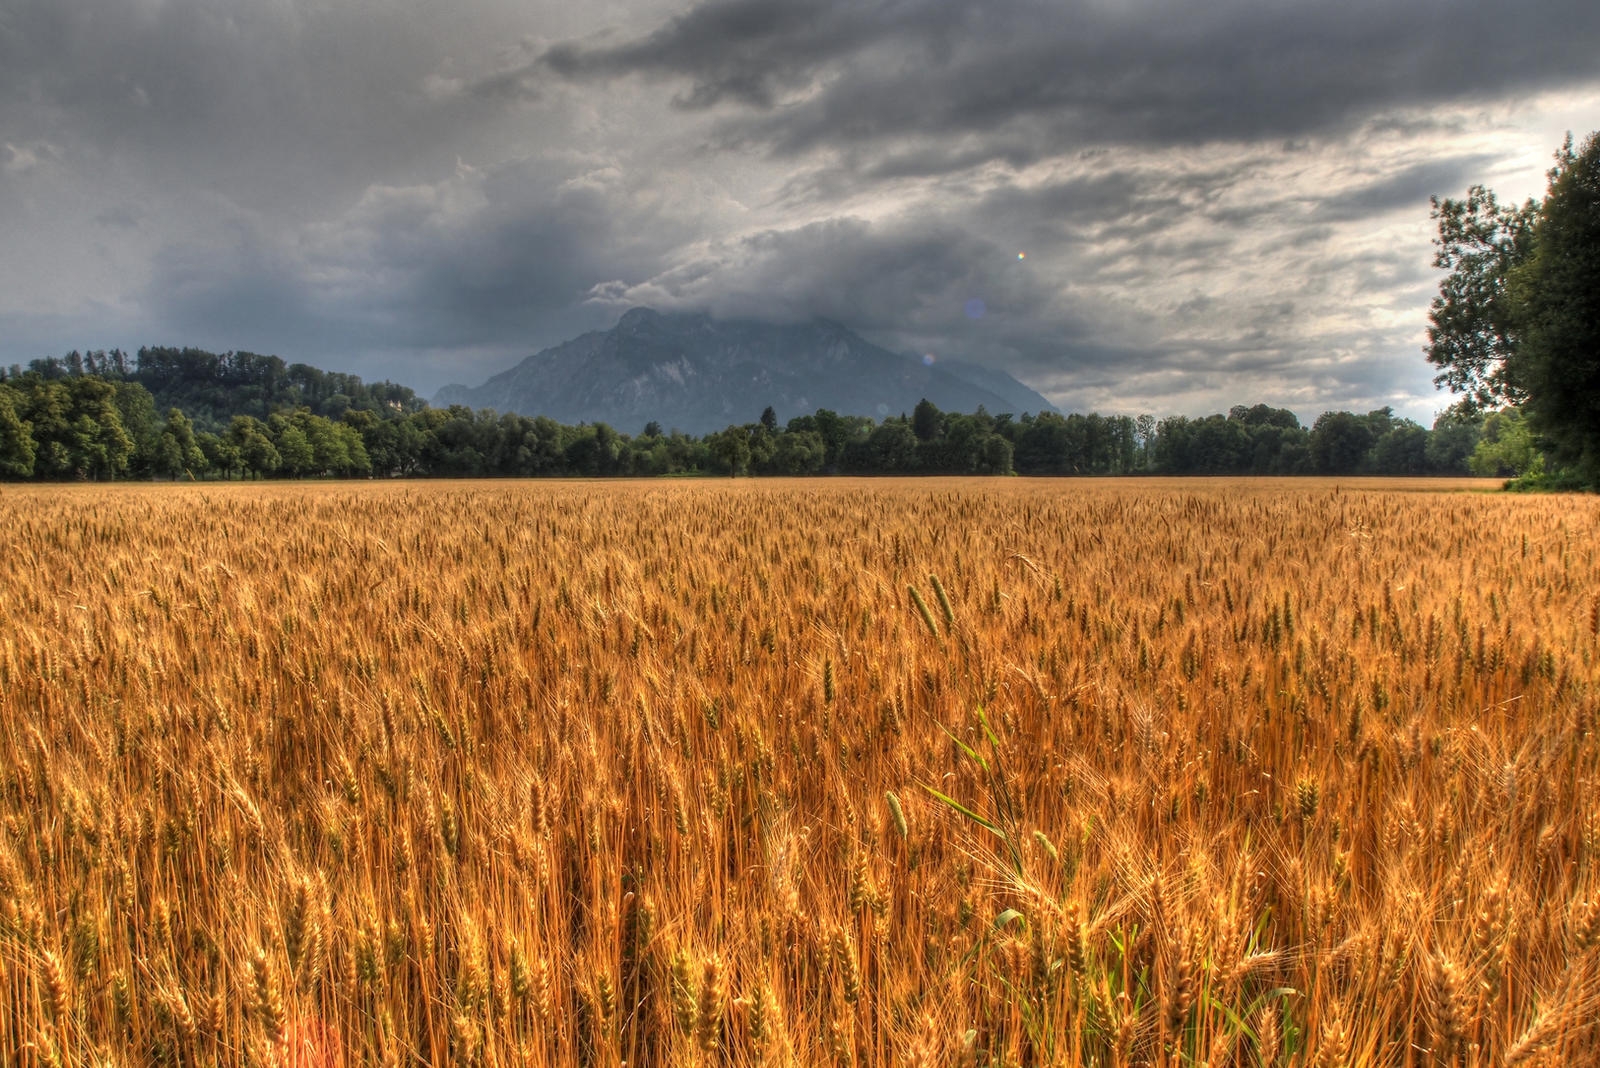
column 926, row 420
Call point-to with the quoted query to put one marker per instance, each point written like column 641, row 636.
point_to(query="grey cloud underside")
column 749, row 53
column 1410, row 187
column 846, row 74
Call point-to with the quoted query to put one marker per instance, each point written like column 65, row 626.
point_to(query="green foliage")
column 1402, row 450
column 1339, row 443
column 731, row 447
column 800, row 452
column 1505, row 447
column 1051, row 444
column 176, row 451
column 137, row 409
column 1262, row 440
column 1454, row 436
column 212, row 388
column 73, row 425
column 1472, row 322
column 840, row 433
column 1547, row 482
column 1557, row 291
column 62, row 419
column 891, row 449
column 1517, row 321
column 16, row 437
column 995, row 456
column 256, row 452
column 295, row 455
column 221, row 454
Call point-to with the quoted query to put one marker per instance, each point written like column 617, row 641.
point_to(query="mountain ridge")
column 689, row 371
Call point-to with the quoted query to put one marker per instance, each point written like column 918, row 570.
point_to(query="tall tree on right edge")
column 1557, row 296
column 1517, row 321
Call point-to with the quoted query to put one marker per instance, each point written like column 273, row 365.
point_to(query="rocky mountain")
column 698, row 374
column 1014, row 396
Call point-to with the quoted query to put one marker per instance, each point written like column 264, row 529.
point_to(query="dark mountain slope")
column 699, row 374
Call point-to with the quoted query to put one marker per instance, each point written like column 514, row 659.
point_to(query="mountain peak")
column 643, row 318
column 634, row 318
column 691, row 372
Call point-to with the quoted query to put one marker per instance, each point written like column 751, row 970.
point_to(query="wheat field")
column 842, row 772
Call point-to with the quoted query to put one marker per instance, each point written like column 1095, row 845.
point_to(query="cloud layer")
column 1212, row 204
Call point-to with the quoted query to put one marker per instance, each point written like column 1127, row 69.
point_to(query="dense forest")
column 190, row 414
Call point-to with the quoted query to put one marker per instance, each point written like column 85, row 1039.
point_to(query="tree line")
column 185, row 413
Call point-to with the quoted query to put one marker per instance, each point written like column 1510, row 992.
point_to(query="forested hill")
column 211, row 388
column 186, row 413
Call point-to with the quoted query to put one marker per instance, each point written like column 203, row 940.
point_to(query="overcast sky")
column 1162, row 205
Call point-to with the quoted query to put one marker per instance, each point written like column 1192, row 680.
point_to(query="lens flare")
column 927, row 359
column 976, row 308
column 1022, row 255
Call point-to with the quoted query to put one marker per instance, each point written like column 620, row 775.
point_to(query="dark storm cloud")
column 245, row 291
column 850, row 73
column 746, row 52
column 284, row 106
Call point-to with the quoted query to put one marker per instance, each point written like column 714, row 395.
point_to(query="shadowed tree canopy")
column 1557, row 295
column 926, row 420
